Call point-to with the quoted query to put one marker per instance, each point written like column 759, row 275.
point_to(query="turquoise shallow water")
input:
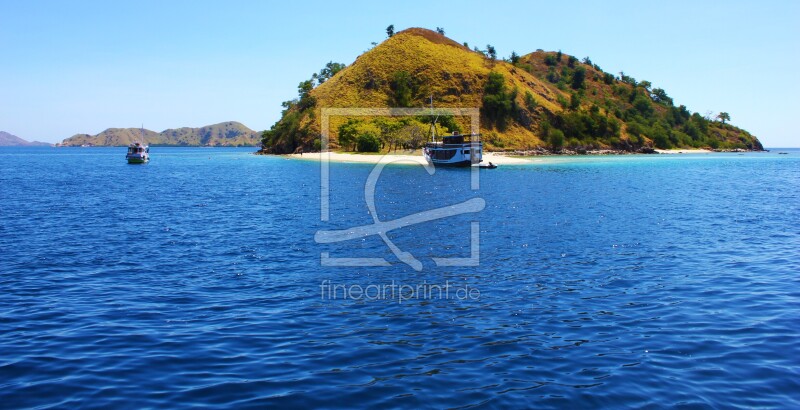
column 195, row 280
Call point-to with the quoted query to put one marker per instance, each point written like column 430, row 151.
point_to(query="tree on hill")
column 574, row 101
column 440, row 30
column 627, row 79
column 660, row 96
column 491, row 52
column 390, row 30
column 571, row 62
column 660, row 136
column 304, row 88
column 530, row 102
column 556, row 139
column 642, row 105
column 724, row 116
column 498, row 103
column 578, row 78
column 402, row 88
column 328, row 71
column 304, row 92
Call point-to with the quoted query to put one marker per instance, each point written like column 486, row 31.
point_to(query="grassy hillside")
column 542, row 100
column 224, row 134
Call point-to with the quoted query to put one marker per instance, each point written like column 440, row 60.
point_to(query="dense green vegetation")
column 499, row 104
column 378, row 134
column 403, row 89
column 286, row 135
column 598, row 118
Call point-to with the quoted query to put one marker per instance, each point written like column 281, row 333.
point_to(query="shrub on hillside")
column 498, row 102
column 403, row 89
column 578, row 78
column 556, row 139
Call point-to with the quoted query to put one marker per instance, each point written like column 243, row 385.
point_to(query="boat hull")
column 132, row 160
column 461, row 155
column 459, row 164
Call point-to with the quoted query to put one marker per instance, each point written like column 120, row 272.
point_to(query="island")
column 543, row 102
column 226, row 134
column 11, row 140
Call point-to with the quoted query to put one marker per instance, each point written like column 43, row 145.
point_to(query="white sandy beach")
column 495, row 158
column 684, row 151
column 374, row 158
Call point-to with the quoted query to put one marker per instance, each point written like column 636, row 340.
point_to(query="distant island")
column 541, row 102
column 10, row 140
column 226, row 134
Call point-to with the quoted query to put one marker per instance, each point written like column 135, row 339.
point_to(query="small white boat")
column 138, row 152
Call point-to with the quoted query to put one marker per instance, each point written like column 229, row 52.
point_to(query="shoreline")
column 402, row 157
column 497, row 158
column 643, row 151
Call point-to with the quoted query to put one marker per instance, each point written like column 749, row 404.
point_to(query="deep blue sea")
column 196, row 281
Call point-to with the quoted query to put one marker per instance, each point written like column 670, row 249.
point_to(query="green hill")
column 229, row 133
column 542, row 100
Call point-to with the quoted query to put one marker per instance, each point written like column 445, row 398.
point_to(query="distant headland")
column 544, row 101
column 10, row 140
column 226, row 134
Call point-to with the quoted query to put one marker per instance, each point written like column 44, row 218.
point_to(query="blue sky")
column 84, row 66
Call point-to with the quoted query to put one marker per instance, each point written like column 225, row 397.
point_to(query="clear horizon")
column 83, row 67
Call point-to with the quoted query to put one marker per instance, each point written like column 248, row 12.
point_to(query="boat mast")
column 433, row 124
column 432, row 139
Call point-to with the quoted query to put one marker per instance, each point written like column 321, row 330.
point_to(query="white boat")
column 455, row 150
column 138, row 152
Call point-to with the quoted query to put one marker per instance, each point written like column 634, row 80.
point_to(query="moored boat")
column 455, row 150
column 138, row 152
